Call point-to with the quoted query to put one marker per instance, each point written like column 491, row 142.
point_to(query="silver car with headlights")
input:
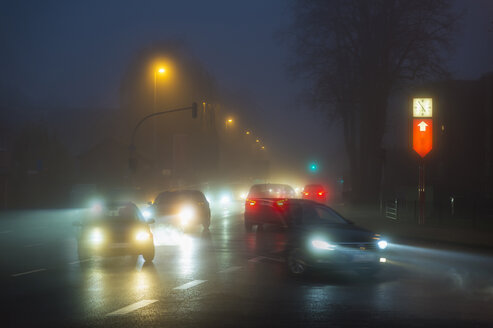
column 181, row 208
column 113, row 229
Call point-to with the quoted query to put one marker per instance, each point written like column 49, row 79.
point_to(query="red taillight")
column 320, row 193
column 251, row 202
column 306, row 193
column 280, row 203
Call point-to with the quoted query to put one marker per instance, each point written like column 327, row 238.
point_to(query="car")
column 320, row 238
column 115, row 228
column 182, row 208
column 264, row 204
column 315, row 192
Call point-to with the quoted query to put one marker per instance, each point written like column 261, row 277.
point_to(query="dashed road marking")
column 230, row 269
column 190, row 284
column 256, row 259
column 80, row 261
column 131, row 307
column 28, row 272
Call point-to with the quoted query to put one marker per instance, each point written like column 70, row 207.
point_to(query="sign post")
column 422, row 143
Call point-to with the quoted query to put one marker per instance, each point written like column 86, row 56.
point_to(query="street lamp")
column 229, row 121
column 247, row 132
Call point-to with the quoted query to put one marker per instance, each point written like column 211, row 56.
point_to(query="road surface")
column 227, row 277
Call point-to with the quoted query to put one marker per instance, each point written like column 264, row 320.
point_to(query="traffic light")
column 313, row 167
column 194, row 110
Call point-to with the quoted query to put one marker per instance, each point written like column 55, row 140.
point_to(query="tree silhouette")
column 355, row 54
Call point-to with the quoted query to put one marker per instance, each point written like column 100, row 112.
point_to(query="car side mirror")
column 151, row 221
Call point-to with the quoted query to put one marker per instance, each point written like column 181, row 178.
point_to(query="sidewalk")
column 371, row 219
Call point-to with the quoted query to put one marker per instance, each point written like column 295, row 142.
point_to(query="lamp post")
column 160, row 70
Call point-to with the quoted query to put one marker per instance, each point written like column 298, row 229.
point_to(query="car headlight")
column 225, row 199
column 147, row 214
column 322, row 244
column 186, row 214
column 142, row 236
column 96, row 236
column 382, row 244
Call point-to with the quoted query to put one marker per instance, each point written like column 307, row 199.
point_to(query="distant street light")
column 247, row 132
column 229, row 122
column 257, row 140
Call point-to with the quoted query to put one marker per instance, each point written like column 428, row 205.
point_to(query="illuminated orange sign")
column 422, row 135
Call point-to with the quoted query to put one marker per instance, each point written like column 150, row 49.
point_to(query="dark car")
column 265, row 204
column 315, row 192
column 114, row 229
column 320, row 238
column 182, row 208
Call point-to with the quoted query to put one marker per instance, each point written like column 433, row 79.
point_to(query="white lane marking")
column 131, row 307
column 6, row 231
column 230, row 269
column 276, row 259
column 81, row 261
column 34, row 245
column 190, row 284
column 27, row 272
column 256, row 259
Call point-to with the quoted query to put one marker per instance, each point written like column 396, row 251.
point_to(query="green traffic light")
column 313, row 167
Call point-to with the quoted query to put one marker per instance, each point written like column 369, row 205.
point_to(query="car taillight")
column 251, row 202
column 320, row 193
column 306, row 193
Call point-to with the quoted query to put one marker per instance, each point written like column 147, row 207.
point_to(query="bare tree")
column 355, row 54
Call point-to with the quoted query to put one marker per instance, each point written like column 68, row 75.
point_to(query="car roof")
column 314, row 186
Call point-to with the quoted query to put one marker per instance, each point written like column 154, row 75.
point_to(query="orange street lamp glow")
column 247, row 132
column 263, row 147
column 230, row 120
column 258, row 140
column 161, row 70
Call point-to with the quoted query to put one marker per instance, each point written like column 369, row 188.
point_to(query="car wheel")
column 149, row 254
column 295, row 263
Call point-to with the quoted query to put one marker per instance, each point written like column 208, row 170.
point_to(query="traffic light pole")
column 132, row 160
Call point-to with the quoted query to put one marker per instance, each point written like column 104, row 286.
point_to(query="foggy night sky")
column 72, row 54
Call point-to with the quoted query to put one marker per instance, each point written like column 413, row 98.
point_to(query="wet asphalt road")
column 227, row 277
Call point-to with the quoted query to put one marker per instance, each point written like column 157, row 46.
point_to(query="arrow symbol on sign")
column 422, row 126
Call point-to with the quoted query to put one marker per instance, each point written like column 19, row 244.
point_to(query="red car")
column 315, row 192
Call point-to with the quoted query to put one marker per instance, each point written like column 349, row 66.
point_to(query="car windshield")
column 314, row 214
column 271, row 191
column 314, row 187
column 113, row 212
column 180, row 196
